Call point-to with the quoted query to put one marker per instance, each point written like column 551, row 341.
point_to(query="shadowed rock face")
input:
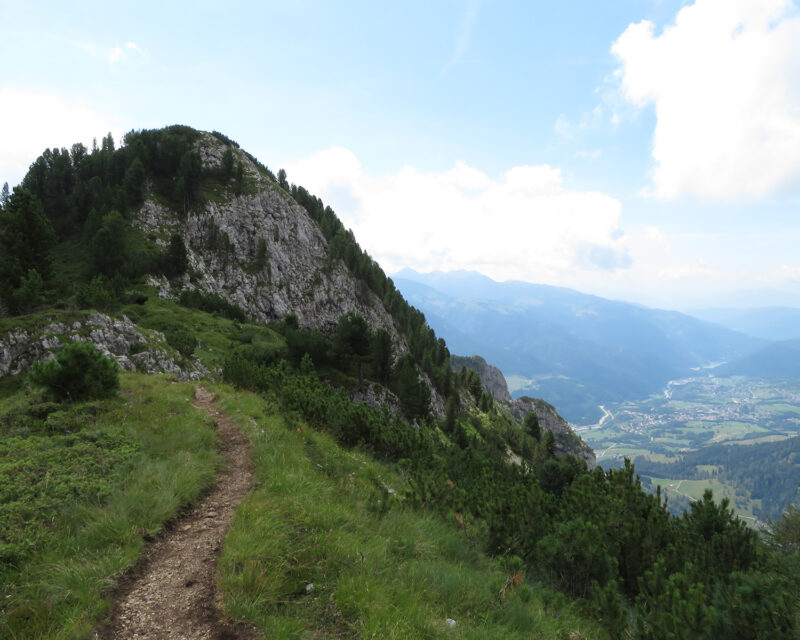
column 567, row 441
column 491, row 377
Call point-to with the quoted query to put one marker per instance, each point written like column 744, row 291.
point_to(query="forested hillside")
column 766, row 471
column 419, row 502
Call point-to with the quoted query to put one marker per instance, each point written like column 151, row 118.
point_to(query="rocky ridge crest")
column 295, row 275
column 293, row 272
column 567, row 441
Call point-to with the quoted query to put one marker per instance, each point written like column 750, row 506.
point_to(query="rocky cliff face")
column 567, row 441
column 491, row 377
column 294, row 275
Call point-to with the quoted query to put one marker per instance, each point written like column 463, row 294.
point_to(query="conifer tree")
column 550, row 444
column 26, row 241
column 381, row 355
column 176, row 260
column 109, row 246
column 133, row 183
column 531, row 425
column 227, row 164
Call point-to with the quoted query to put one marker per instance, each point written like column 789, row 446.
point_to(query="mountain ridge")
column 363, row 520
column 577, row 350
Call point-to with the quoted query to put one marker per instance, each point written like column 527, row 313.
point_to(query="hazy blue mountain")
column 770, row 323
column 776, row 361
column 576, row 350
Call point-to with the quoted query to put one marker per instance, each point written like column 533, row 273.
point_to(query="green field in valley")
column 678, row 438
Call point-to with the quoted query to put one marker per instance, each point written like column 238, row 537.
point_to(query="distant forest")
column 768, row 471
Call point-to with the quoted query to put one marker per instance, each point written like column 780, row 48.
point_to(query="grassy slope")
column 319, row 515
column 322, row 515
column 82, row 489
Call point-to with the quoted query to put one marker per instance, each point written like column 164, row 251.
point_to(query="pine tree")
column 261, row 254
column 531, row 425
column 381, row 355
column 550, row 444
column 133, row 183
column 227, row 164
column 26, row 241
column 176, row 259
column 351, row 341
column 109, row 246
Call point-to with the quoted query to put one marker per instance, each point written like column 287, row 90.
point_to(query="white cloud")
column 590, row 155
column 117, row 53
column 589, row 120
column 30, row 122
column 725, row 84
column 114, row 56
column 656, row 235
column 785, row 273
column 464, row 34
column 524, row 224
column 563, row 127
column 692, row 271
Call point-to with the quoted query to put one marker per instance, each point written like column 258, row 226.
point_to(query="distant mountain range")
column 776, row 361
column 576, row 350
column 769, row 323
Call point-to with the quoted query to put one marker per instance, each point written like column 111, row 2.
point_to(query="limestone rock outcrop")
column 567, row 441
column 294, row 274
column 133, row 348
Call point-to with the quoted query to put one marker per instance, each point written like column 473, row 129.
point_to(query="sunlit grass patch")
column 216, row 335
column 98, row 477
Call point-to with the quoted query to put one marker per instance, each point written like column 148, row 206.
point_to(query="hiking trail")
column 171, row 594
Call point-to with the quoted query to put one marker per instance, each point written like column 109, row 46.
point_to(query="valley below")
column 734, row 435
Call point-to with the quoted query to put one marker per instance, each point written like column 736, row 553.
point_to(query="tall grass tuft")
column 121, row 469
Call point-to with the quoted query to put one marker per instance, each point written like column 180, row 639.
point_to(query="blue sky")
column 647, row 150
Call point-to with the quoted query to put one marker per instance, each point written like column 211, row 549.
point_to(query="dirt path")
column 172, row 593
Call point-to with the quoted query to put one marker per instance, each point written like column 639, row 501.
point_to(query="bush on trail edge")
column 78, row 372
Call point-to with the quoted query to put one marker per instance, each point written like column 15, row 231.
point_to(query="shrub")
column 211, row 303
column 96, row 294
column 78, row 372
column 182, row 341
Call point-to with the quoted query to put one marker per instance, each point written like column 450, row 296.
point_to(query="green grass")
column 605, row 454
column 781, row 408
column 661, row 457
column 216, row 335
column 749, row 441
column 34, row 322
column 80, row 489
column 734, row 430
column 322, row 515
column 694, row 489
